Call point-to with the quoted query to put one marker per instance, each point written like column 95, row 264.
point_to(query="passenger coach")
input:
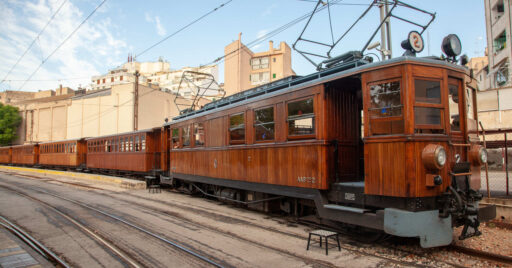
column 391, row 146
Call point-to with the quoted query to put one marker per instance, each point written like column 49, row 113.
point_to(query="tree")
column 10, row 119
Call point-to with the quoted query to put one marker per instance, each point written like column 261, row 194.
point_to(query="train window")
column 428, row 110
column 185, row 132
column 198, row 134
column 264, row 124
column 237, row 129
column 469, row 103
column 136, row 143
column 121, row 144
column 131, row 144
column 143, row 142
column 427, row 91
column 453, row 105
column 301, row 117
column 385, row 108
column 175, row 136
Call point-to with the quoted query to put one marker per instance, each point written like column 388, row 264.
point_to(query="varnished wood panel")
column 5, row 155
column 269, row 165
column 385, row 170
column 25, row 154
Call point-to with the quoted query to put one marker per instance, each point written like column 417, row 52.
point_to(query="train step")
column 345, row 208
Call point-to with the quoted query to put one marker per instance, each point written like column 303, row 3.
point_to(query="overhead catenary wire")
column 272, row 33
column 34, row 41
column 61, row 44
column 182, row 28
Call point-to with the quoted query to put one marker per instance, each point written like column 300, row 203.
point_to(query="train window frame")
column 136, row 144
column 196, row 143
column 388, row 119
column 143, row 142
column 182, row 132
column 298, row 117
column 237, row 127
column 430, row 128
column 453, row 81
column 177, row 144
column 273, row 107
column 131, row 144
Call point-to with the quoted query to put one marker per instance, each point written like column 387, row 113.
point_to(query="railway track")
column 470, row 252
column 128, row 261
column 33, row 243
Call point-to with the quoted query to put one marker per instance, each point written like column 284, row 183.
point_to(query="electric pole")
column 136, row 102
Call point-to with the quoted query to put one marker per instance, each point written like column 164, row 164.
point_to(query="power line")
column 33, row 41
column 62, row 43
column 183, row 28
column 271, row 33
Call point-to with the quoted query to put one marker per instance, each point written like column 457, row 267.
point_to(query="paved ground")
column 230, row 236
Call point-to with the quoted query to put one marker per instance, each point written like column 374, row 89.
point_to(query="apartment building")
column 245, row 69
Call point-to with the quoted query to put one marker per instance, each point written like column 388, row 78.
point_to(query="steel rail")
column 483, row 254
column 176, row 245
column 33, row 243
column 82, row 227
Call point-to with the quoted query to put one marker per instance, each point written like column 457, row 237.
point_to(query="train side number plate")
column 311, row 180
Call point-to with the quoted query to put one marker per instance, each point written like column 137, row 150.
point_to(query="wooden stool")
column 324, row 234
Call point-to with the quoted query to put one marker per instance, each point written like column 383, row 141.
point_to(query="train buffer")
column 324, row 234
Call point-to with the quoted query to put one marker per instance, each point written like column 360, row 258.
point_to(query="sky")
column 119, row 28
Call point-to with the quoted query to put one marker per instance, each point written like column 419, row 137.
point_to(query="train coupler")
column 474, row 224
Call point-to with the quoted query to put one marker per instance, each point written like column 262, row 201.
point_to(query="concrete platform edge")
column 121, row 182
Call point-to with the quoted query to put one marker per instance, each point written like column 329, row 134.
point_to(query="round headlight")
column 440, row 155
column 433, row 156
column 478, row 155
column 482, row 154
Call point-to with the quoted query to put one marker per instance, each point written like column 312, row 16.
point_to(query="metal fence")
column 497, row 174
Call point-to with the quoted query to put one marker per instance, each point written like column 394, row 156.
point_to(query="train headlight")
column 433, row 156
column 440, row 156
column 478, row 155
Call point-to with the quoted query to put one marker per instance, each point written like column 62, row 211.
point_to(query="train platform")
column 503, row 207
column 102, row 179
column 15, row 253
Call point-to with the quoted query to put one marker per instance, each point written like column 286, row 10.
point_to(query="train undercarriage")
column 430, row 219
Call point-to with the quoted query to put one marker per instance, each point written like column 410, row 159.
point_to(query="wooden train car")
column 68, row 153
column 5, row 155
column 390, row 146
column 25, row 154
column 133, row 152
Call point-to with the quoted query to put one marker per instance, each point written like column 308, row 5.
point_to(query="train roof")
column 122, row 134
column 298, row 82
column 69, row 140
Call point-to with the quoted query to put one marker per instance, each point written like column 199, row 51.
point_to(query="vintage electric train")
column 391, row 146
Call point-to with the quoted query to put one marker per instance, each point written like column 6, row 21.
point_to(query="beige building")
column 44, row 115
column 244, row 69
column 494, row 83
column 111, row 111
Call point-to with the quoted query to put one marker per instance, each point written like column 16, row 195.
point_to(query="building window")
column 121, row 78
column 175, row 134
column 259, row 63
column 98, row 81
column 501, row 75
column 498, row 10
column 274, row 59
column 301, row 117
column 198, row 134
column 185, row 132
column 264, row 124
column 260, row 78
column 500, row 42
column 103, row 80
column 237, row 129
column 111, row 79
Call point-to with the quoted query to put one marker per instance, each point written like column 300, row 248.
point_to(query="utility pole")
column 136, row 102
column 385, row 31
